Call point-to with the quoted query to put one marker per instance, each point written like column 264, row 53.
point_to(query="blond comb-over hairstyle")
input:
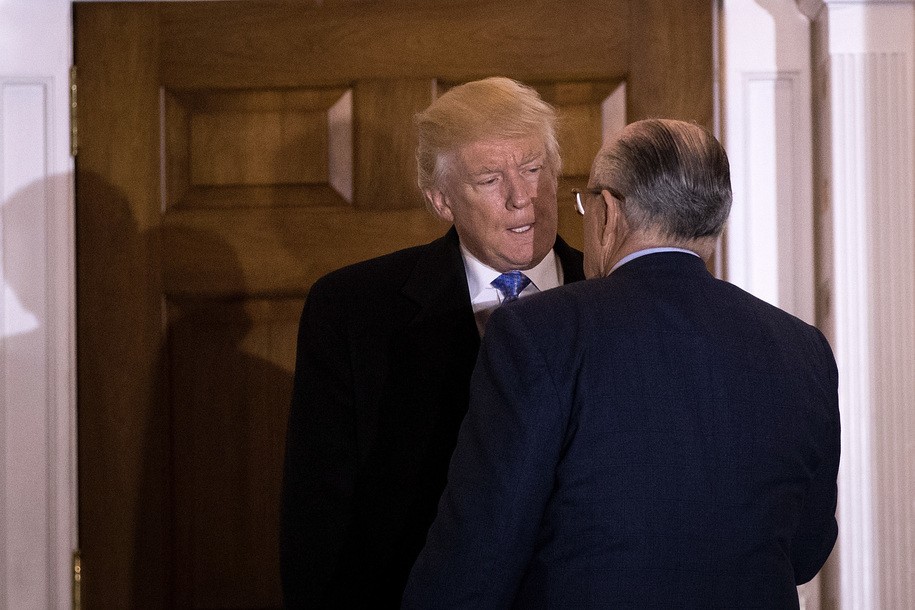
column 491, row 108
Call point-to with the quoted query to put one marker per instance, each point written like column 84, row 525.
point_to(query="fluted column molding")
column 867, row 166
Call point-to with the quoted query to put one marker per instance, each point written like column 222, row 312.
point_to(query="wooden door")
column 230, row 153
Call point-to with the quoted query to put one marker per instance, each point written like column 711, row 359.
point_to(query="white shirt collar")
column 544, row 275
column 484, row 297
column 639, row 253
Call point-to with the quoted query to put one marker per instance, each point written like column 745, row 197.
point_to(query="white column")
column 767, row 133
column 37, row 391
column 869, row 174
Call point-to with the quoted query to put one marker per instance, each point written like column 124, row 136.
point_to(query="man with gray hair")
column 386, row 347
column 653, row 437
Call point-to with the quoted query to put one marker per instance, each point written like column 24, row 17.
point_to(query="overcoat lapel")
column 439, row 345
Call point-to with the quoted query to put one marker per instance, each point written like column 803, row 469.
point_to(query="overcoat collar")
column 438, row 282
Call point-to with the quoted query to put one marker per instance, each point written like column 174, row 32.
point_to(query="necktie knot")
column 511, row 284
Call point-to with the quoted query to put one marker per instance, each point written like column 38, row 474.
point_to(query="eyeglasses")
column 579, row 204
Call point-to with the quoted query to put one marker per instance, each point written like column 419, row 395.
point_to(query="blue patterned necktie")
column 510, row 285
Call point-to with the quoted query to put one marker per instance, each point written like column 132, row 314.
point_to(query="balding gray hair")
column 673, row 178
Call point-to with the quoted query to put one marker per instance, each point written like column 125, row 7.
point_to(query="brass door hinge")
column 74, row 142
column 77, row 580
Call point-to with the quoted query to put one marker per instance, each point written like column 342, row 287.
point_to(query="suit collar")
column 680, row 263
column 646, row 251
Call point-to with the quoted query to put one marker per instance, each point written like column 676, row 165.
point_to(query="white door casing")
column 37, row 367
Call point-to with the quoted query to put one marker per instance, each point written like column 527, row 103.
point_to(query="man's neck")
column 636, row 242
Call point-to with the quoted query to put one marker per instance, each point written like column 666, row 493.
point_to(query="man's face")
column 501, row 196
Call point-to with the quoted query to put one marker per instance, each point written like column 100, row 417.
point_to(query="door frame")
column 38, row 517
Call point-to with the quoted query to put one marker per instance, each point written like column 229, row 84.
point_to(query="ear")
column 616, row 229
column 440, row 204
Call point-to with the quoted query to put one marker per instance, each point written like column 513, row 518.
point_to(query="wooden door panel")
column 229, row 369
column 277, row 253
column 123, row 432
column 244, row 148
column 670, row 70
column 580, row 106
column 452, row 39
column 291, row 147
column 231, row 154
column 385, row 141
column 588, row 112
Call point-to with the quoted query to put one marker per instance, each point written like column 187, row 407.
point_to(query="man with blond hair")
column 650, row 438
column 386, row 347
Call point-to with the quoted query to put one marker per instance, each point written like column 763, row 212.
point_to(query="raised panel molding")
column 588, row 113
column 775, row 222
column 768, row 135
column 303, row 138
column 23, row 404
column 385, row 141
column 36, row 459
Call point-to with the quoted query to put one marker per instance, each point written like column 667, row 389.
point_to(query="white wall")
column 37, row 404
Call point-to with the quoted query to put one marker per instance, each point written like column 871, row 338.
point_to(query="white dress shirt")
column 484, row 297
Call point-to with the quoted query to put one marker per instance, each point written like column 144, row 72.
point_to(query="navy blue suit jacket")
column 385, row 352
column 655, row 438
